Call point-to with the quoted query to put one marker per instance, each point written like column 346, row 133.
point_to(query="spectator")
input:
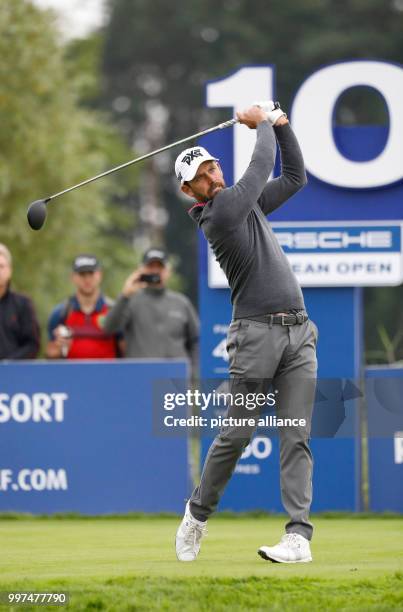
column 19, row 329
column 155, row 321
column 74, row 325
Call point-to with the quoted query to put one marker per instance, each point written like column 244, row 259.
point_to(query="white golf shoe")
column 292, row 548
column 188, row 537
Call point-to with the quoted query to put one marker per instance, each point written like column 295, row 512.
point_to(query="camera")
column 151, row 279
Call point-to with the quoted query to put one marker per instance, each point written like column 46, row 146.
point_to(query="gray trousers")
column 263, row 358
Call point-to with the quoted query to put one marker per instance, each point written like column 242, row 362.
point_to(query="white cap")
column 188, row 161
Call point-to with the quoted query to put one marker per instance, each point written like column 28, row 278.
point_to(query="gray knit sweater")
column 235, row 224
column 156, row 323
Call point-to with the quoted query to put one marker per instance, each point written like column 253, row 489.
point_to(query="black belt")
column 281, row 319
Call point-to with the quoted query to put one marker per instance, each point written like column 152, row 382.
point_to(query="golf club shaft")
column 220, row 126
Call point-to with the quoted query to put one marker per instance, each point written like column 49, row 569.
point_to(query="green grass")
column 129, row 564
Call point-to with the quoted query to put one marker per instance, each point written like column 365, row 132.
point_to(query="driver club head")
column 36, row 214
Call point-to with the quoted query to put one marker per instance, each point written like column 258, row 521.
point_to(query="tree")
column 158, row 56
column 384, row 325
column 47, row 142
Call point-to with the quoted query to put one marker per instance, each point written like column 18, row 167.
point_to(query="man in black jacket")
column 19, row 329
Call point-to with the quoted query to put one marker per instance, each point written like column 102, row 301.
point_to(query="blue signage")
column 335, row 235
column 320, row 201
column 78, row 436
column 385, row 438
column 341, row 232
column 336, row 238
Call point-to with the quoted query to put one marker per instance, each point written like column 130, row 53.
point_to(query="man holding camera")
column 155, row 321
column 74, row 326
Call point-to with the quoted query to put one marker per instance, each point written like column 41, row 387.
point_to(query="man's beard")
column 209, row 196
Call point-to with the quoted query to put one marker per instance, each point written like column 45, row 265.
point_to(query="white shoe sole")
column 273, row 559
column 183, row 560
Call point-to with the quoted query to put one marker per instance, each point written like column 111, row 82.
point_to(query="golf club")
column 37, row 210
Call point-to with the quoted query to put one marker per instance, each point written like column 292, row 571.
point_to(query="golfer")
column 270, row 341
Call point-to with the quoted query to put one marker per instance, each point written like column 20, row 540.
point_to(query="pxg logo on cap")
column 85, row 263
column 188, row 161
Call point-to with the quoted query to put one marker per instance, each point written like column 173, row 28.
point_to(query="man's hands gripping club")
column 262, row 111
